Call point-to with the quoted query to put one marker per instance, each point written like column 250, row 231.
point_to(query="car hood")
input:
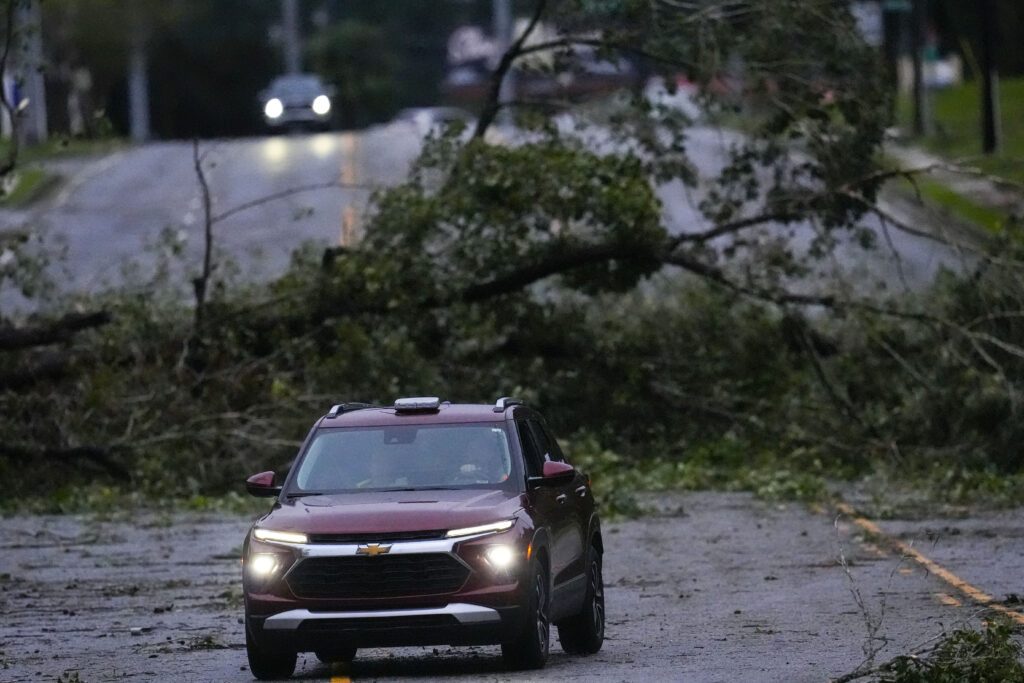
column 392, row 511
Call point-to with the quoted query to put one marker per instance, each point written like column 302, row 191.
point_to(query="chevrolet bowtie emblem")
column 372, row 549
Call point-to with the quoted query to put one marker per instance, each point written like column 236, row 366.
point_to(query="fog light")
column 262, row 564
column 500, row 556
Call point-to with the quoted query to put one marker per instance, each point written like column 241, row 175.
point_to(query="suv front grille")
column 391, row 537
column 377, row 577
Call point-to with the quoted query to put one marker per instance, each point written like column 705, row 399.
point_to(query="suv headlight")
column 500, row 557
column 482, row 529
column 263, row 565
column 280, row 536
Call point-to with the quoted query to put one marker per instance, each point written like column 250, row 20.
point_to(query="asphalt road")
column 718, row 587
column 121, row 216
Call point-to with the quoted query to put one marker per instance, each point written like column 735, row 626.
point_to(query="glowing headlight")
column 321, row 105
column 500, row 556
column 273, row 108
column 482, row 529
column 262, row 564
column 280, row 536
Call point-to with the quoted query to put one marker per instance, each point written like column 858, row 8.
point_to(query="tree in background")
column 551, row 265
column 357, row 59
column 959, row 27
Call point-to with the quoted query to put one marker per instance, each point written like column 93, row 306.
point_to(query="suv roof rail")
column 340, row 408
column 505, row 402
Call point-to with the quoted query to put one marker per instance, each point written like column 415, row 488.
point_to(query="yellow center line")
column 349, row 176
column 949, row 577
column 339, row 673
column 947, row 599
column 348, row 166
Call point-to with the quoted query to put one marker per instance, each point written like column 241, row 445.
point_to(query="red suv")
column 425, row 523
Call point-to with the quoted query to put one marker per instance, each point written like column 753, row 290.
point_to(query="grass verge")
column 956, row 114
column 29, row 184
column 63, row 147
column 990, row 219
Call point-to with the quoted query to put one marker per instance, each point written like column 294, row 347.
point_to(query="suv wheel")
column 530, row 649
column 583, row 633
column 267, row 663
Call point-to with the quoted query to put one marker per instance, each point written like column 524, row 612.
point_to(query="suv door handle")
column 561, row 497
column 582, row 490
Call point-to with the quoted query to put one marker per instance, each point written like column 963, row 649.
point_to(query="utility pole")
column 922, row 108
column 501, row 16
column 138, row 80
column 990, row 133
column 894, row 13
column 34, row 130
column 290, row 36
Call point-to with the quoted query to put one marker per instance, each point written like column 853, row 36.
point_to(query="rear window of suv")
column 406, row 456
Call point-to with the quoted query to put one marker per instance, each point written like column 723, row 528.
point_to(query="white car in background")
column 295, row 100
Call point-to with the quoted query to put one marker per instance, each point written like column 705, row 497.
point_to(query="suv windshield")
column 405, row 456
column 297, row 85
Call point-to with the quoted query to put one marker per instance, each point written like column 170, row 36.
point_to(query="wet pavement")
column 717, row 587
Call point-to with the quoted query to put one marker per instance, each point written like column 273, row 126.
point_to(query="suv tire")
column 530, row 649
column 583, row 633
column 268, row 663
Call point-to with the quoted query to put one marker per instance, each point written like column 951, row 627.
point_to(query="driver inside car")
column 481, row 460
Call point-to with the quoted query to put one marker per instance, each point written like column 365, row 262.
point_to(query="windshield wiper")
column 303, row 494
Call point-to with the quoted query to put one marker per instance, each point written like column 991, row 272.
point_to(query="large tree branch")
column 560, row 262
column 569, row 42
column 493, row 102
column 14, row 338
column 731, row 227
column 50, row 366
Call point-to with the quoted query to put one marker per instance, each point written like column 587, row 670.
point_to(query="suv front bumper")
column 453, row 624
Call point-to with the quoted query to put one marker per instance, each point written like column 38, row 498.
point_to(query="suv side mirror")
column 262, row 485
column 554, row 474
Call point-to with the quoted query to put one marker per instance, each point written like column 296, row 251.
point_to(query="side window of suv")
column 546, row 444
column 552, row 447
column 532, row 452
